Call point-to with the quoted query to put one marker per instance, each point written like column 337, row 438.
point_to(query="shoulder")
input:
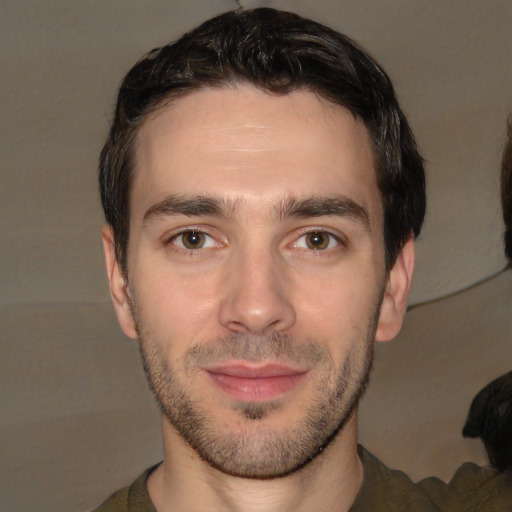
column 478, row 488
column 472, row 488
column 134, row 498
column 390, row 490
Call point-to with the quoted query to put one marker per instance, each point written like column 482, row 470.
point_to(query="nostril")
column 237, row 327
column 239, row 315
column 274, row 326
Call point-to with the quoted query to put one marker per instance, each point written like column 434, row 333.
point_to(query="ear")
column 119, row 290
column 394, row 304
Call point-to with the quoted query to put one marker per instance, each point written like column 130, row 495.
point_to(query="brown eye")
column 317, row 240
column 191, row 240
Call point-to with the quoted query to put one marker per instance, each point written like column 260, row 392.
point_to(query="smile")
column 249, row 383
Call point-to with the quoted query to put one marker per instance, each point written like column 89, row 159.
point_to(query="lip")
column 256, row 383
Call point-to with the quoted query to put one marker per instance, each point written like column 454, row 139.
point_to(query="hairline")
column 229, row 82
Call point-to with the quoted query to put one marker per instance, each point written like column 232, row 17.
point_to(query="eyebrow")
column 189, row 207
column 208, row 206
column 320, row 206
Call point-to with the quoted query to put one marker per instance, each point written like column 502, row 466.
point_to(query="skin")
column 256, row 277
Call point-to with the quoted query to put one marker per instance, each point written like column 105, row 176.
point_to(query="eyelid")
column 207, row 241
column 339, row 237
column 170, row 236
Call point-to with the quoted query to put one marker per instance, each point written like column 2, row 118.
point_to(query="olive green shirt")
column 472, row 489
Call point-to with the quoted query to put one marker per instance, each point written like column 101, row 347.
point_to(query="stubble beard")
column 258, row 450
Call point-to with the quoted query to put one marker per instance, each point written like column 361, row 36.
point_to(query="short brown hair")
column 278, row 52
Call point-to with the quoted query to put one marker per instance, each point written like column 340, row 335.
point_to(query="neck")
column 330, row 482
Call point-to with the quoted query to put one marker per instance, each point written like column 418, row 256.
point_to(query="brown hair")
column 506, row 190
column 278, row 52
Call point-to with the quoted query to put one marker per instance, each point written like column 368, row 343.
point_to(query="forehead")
column 248, row 144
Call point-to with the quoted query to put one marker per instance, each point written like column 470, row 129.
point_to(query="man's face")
column 255, row 273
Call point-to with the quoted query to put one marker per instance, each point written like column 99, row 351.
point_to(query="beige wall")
column 76, row 419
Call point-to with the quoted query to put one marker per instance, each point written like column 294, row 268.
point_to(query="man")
column 262, row 191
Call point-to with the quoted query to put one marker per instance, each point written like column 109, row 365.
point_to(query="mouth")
column 250, row 382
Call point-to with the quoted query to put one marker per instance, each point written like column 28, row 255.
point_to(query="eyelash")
column 339, row 239
column 212, row 243
column 171, row 242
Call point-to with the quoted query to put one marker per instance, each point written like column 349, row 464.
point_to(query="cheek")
column 173, row 306
column 343, row 303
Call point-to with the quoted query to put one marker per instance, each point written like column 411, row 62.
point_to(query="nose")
column 256, row 296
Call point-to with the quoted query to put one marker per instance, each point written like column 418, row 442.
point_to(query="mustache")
column 272, row 347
